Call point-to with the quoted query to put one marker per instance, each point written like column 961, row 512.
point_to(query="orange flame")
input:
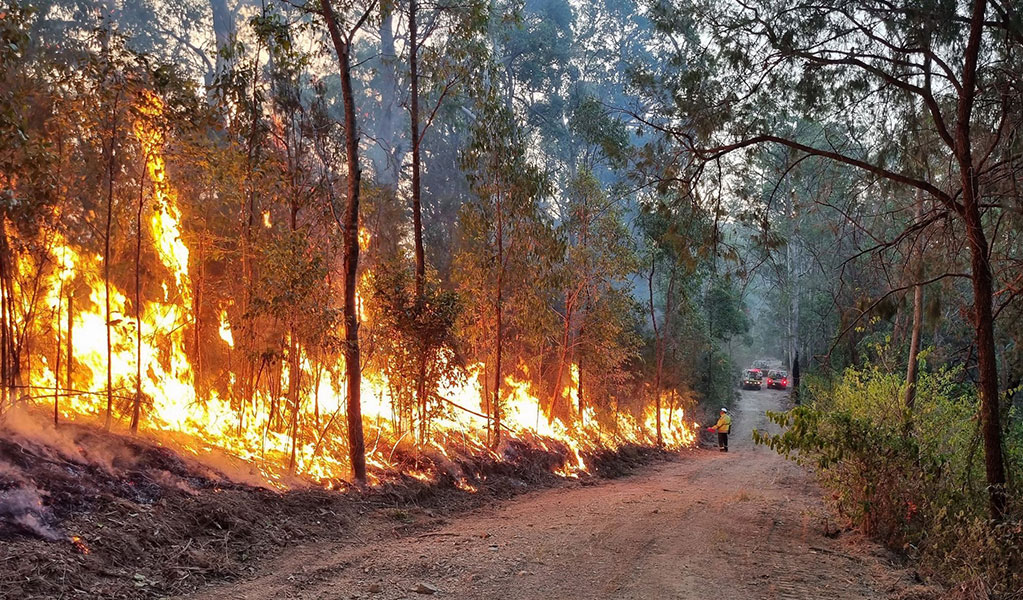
column 79, row 544
column 246, row 430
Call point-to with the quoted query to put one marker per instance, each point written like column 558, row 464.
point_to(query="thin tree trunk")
column 294, row 395
column 790, row 324
column 499, row 309
column 914, row 340
column 294, row 369
column 710, row 346
column 294, row 441
column 106, row 263
column 248, row 394
column 357, row 445
column 197, row 322
column 70, row 339
column 581, row 336
column 421, row 398
column 579, row 388
column 566, row 342
column 795, row 377
column 658, row 350
column 417, row 212
column 136, row 407
column 316, row 392
column 58, row 354
column 5, row 333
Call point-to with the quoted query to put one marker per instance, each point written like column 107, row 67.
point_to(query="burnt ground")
column 89, row 514
column 707, row 525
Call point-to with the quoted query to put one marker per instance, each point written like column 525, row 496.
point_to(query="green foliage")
column 596, row 309
column 725, row 310
column 292, row 290
column 507, row 247
column 415, row 339
column 27, row 182
column 914, row 478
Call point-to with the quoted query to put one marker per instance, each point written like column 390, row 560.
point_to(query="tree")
column 596, row 309
column 675, row 231
column 950, row 62
column 507, row 242
column 26, row 187
column 342, row 31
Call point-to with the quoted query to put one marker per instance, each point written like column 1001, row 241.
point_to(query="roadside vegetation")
column 912, row 477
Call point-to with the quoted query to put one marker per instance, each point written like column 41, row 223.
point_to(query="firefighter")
column 723, row 426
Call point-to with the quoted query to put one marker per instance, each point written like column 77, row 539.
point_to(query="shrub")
column 914, row 479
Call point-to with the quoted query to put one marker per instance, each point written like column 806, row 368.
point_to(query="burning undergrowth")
column 90, row 514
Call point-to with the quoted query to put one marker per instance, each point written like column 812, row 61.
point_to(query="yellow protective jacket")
column 724, row 423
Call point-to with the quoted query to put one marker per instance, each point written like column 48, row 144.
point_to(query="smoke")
column 22, row 507
column 169, row 480
column 19, row 423
column 116, row 454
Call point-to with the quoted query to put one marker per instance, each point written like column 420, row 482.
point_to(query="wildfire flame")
column 174, row 411
column 225, row 330
column 79, row 544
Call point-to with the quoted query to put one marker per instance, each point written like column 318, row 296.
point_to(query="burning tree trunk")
column 198, row 323
column 136, row 405
column 57, row 356
column 294, row 393
column 566, row 344
column 5, row 324
column 70, row 339
column 579, row 389
column 660, row 338
column 110, row 155
column 342, row 48
column 499, row 309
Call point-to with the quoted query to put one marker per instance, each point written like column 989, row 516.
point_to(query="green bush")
column 915, row 479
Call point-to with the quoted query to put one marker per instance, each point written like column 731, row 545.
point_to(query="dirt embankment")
column 746, row 524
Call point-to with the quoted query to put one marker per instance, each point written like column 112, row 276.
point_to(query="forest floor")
column 742, row 524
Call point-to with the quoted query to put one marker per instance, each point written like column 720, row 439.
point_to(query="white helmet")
column 723, row 409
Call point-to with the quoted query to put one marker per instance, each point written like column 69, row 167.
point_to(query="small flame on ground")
column 79, row 544
column 464, row 485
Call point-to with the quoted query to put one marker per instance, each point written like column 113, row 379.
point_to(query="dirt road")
column 746, row 524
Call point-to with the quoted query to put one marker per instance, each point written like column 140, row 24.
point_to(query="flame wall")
column 312, row 442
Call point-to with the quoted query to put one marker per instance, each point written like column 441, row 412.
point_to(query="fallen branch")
column 471, row 412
